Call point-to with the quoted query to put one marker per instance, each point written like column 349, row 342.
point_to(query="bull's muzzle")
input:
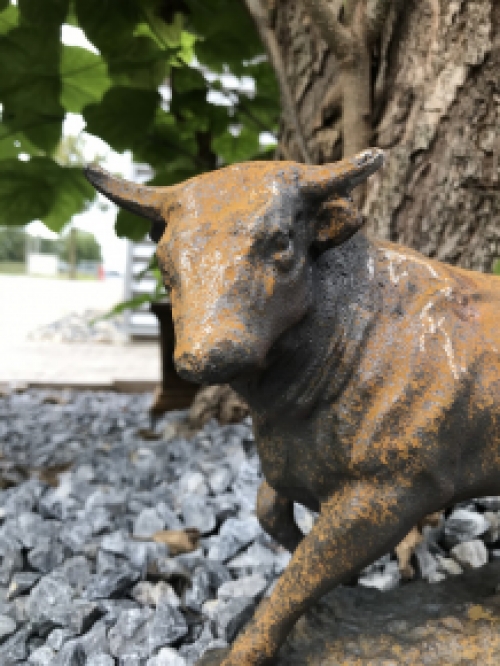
column 216, row 366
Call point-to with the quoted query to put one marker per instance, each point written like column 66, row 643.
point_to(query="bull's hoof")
column 214, row 657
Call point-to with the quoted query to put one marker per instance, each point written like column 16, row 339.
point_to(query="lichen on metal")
column 372, row 372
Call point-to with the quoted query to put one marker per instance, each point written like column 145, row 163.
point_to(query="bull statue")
column 372, row 372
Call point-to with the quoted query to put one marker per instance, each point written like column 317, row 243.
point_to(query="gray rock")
column 75, row 571
column 147, row 523
column 100, row 519
column 258, row 559
column 42, row 656
column 15, row 649
column 249, row 586
column 107, row 562
column 100, row 659
column 493, row 533
column 112, row 609
column 470, row 554
column 199, row 591
column 57, row 638
column 233, row 536
column 115, row 543
column 169, row 517
column 225, row 506
column 129, row 636
column 167, row 627
column 490, row 503
column 218, row 573
column 197, row 513
column 7, row 627
column 386, row 580
column 46, row 556
column 193, row 483
column 58, row 504
column 149, row 594
column 220, row 479
column 51, row 604
column 112, row 583
column 75, row 535
column 71, row 655
column 464, row 525
column 449, row 566
column 167, row 657
column 231, row 616
column 304, row 518
column 31, row 526
column 22, row 582
column 94, row 641
column 427, row 564
column 12, row 562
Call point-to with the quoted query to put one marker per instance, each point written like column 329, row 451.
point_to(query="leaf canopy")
column 161, row 85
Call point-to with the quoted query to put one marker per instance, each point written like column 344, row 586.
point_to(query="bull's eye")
column 282, row 240
column 282, row 248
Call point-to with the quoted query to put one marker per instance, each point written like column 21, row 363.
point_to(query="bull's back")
column 434, row 362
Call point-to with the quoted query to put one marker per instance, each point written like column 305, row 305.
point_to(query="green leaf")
column 23, row 193
column 131, row 304
column 43, row 131
column 9, row 17
column 47, row 12
column 72, row 193
column 84, row 78
column 29, row 70
column 123, row 116
column 237, row 148
column 186, row 79
column 107, row 23
column 13, row 143
column 41, row 189
column 3, row 4
column 131, row 226
column 140, row 63
column 228, row 36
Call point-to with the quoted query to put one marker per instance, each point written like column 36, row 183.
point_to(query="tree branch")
column 270, row 43
column 377, row 12
column 336, row 35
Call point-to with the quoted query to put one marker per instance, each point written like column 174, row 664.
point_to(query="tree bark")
column 433, row 97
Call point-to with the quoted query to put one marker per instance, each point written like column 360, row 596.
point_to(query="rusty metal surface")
column 173, row 392
column 372, row 372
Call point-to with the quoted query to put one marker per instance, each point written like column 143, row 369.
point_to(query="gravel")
column 82, row 579
column 83, row 497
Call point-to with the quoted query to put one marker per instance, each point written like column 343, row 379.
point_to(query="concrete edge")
column 118, row 386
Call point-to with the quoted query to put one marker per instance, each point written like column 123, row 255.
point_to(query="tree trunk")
column 435, row 99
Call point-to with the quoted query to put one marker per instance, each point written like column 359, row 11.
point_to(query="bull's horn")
column 341, row 176
column 139, row 199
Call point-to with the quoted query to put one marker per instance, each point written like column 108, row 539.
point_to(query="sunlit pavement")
column 27, row 303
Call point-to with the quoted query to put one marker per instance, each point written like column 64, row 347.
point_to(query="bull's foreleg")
column 355, row 527
column 275, row 514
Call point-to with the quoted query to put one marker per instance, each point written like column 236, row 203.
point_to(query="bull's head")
column 236, row 248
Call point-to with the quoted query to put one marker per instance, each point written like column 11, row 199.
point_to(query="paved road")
column 26, row 303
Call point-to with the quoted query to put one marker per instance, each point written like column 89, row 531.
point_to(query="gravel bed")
column 83, row 327
column 86, row 577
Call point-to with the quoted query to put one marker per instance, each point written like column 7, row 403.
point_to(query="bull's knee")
column 275, row 514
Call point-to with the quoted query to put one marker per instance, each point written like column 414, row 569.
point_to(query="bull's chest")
column 298, row 463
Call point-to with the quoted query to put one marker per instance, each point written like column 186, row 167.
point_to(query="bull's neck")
column 313, row 360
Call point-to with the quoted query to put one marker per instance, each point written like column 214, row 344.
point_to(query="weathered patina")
column 372, row 372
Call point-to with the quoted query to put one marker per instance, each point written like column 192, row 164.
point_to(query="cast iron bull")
column 372, row 372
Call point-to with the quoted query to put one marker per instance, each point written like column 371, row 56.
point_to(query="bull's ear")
column 329, row 188
column 142, row 200
column 335, row 221
column 341, row 177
